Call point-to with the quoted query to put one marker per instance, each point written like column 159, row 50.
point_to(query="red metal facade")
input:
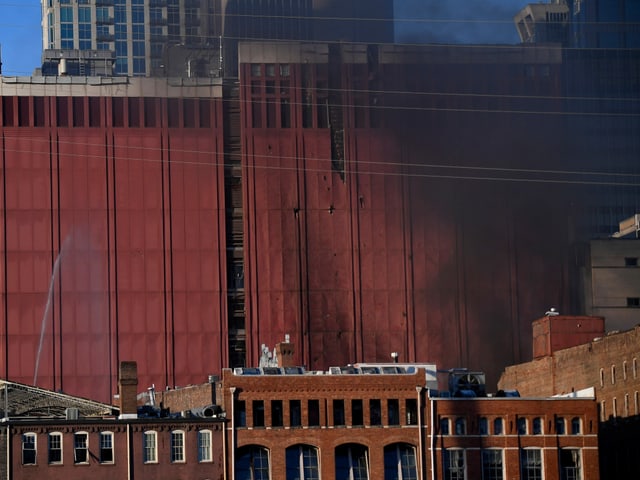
column 427, row 238
column 111, row 224
column 371, row 222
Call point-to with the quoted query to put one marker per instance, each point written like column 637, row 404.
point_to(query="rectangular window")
column 29, row 449
column 314, row 413
column 55, row 448
column 570, row 464
column 492, row 465
column 531, row 464
column 241, row 413
column 338, row 412
column 276, row 413
column 80, row 448
column 454, row 466
column 258, row 413
column 393, row 411
column 295, row 415
column 375, row 412
column 633, row 302
column 150, row 447
column 411, row 405
column 204, row 446
column 106, row 447
column 177, row 446
column 631, row 261
column 357, row 418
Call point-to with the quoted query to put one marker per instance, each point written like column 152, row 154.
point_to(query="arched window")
column 560, row 426
column 29, row 452
column 576, row 426
column 80, row 447
column 302, row 463
column 498, row 426
column 483, row 426
column 624, row 370
column 613, row 374
column 635, row 368
column 400, row 462
column 352, row 462
column 444, row 426
column 55, row 448
column 252, row 462
column 602, row 377
column 204, row 446
column 522, row 426
column 537, row 426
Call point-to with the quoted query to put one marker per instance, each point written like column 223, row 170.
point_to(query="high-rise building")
column 196, row 38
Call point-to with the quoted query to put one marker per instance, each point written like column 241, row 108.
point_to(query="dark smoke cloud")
column 457, row 21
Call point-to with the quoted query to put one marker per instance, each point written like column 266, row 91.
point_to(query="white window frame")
column 205, row 453
column 34, row 442
column 177, row 446
column 109, row 435
column 77, row 436
column 150, row 446
column 50, row 437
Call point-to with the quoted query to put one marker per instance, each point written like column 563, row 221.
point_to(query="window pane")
column 492, row 465
column 177, row 446
column 29, row 449
column 106, row 447
column 204, row 446
column 55, row 448
column 149, row 441
column 302, row 463
column 531, row 464
column 454, row 468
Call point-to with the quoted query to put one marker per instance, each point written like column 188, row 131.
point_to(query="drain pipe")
column 232, row 467
column 420, row 442
column 432, row 407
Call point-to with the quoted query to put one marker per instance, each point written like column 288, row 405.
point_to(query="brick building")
column 608, row 364
column 360, row 421
column 149, row 219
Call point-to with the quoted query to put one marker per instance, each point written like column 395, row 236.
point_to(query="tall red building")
column 364, row 200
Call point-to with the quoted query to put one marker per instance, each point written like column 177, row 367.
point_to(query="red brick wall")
column 607, row 364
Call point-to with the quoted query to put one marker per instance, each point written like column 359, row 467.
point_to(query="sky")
column 418, row 21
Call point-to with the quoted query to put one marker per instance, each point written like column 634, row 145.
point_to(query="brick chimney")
column 128, row 389
column 284, row 353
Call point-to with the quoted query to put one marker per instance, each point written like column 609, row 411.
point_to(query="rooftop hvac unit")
column 71, row 413
column 464, row 384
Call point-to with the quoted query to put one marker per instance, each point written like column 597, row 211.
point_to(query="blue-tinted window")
column 66, row 14
column 400, row 462
column 137, row 14
column 252, row 463
column 84, row 15
column 302, row 463
column 352, row 462
column 138, row 49
column 139, row 66
column 121, row 49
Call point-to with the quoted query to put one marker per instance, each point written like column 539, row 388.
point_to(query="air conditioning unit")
column 463, row 383
column 71, row 413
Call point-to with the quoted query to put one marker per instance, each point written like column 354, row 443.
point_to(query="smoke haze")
column 457, row 21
